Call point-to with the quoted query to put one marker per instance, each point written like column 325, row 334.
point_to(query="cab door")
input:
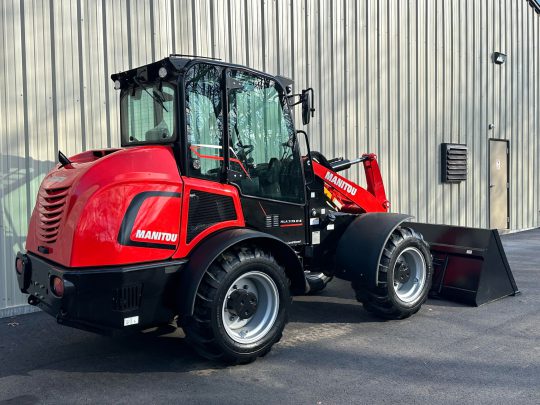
column 264, row 159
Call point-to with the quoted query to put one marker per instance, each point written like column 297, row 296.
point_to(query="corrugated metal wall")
column 396, row 77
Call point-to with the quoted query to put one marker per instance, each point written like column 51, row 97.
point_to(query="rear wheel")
column 241, row 307
column 404, row 277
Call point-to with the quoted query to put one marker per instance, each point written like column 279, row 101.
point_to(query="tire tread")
column 198, row 329
column 376, row 299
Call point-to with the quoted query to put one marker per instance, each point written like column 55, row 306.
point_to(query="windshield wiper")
column 156, row 99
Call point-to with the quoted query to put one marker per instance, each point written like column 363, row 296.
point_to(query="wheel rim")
column 252, row 286
column 409, row 274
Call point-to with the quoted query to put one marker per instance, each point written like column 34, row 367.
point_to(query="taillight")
column 57, row 286
column 19, row 265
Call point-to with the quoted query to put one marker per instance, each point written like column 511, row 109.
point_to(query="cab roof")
column 178, row 62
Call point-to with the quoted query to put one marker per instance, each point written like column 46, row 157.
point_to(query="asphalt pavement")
column 333, row 352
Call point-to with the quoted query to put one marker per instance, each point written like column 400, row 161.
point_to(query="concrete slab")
column 332, row 352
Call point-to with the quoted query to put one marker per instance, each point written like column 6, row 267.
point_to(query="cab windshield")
column 147, row 113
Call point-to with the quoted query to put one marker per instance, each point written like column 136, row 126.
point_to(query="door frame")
column 507, row 141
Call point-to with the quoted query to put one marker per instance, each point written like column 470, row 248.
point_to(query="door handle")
column 491, row 185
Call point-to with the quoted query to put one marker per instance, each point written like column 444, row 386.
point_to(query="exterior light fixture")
column 499, row 58
column 117, row 85
column 162, row 72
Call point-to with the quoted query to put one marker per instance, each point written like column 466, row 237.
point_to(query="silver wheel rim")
column 410, row 290
column 254, row 328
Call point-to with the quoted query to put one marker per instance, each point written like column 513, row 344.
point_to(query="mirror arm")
column 292, row 104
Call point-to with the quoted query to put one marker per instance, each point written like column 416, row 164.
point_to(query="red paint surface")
column 80, row 207
column 371, row 200
column 100, row 191
column 209, row 187
column 158, row 214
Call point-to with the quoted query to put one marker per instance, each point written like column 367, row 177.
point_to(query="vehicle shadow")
column 161, row 349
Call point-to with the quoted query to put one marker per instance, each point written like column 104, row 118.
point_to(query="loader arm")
column 350, row 197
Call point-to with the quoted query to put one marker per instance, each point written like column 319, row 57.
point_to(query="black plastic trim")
column 89, row 303
column 131, row 214
column 361, row 246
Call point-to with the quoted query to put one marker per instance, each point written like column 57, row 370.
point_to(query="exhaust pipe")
column 470, row 265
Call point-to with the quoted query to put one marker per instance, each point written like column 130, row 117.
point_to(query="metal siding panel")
column 315, row 71
column 410, row 159
column 15, row 176
column 469, row 111
column 361, row 83
column 185, row 36
column 422, row 96
column 529, row 133
column 372, row 76
column 431, row 112
column 296, row 61
column 270, row 28
column 453, row 36
column 518, row 96
column 339, row 90
column 483, row 165
column 254, row 37
column 462, row 103
column 519, row 112
column 239, row 48
column 382, row 71
column 536, row 130
column 222, row 26
column 392, row 135
column 350, row 85
column 440, row 113
column 162, row 30
column 477, row 113
column 511, row 119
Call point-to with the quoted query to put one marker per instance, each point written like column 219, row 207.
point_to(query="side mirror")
column 308, row 111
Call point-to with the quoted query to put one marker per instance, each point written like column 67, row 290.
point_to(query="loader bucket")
column 469, row 264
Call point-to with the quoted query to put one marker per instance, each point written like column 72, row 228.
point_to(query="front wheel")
column 241, row 307
column 404, row 277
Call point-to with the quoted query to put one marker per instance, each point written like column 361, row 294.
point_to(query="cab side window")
column 204, row 121
column 261, row 132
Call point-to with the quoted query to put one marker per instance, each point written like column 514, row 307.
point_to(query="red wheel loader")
column 211, row 216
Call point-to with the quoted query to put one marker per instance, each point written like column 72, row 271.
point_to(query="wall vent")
column 453, row 163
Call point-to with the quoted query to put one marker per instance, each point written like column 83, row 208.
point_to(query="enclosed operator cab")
column 228, row 124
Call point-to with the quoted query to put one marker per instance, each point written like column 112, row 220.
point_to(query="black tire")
column 384, row 300
column 317, row 281
column 207, row 330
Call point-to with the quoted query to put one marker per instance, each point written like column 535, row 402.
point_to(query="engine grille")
column 126, row 298
column 51, row 205
column 207, row 209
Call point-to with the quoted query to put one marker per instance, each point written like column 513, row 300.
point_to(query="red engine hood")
column 88, row 213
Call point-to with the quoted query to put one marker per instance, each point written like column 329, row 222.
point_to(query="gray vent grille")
column 453, row 163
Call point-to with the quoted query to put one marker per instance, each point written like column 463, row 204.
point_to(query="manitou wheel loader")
column 209, row 215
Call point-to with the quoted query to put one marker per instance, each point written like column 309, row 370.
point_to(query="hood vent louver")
column 51, row 205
